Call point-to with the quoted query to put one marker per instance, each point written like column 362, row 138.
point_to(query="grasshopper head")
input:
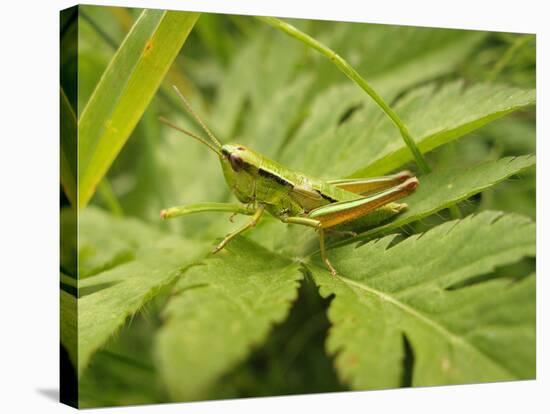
column 240, row 167
column 239, row 157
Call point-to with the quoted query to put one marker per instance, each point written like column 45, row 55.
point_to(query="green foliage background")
column 435, row 296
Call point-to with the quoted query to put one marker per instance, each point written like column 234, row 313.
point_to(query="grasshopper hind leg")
column 334, row 214
column 316, row 224
column 324, row 256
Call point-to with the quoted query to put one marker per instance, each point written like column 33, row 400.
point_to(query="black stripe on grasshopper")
column 280, row 180
column 328, row 198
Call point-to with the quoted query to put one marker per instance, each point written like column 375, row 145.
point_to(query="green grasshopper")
column 263, row 185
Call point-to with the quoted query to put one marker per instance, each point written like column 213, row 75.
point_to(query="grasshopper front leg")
column 253, row 221
column 186, row 209
column 218, row 207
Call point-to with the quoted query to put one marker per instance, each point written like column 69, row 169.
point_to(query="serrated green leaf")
column 124, row 91
column 513, row 136
column 69, row 325
column 378, row 51
column 438, row 117
column 422, row 292
column 218, row 312
column 442, row 189
column 122, row 372
column 126, row 264
column 369, row 145
column 389, row 64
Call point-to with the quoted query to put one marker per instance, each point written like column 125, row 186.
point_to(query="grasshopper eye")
column 237, row 162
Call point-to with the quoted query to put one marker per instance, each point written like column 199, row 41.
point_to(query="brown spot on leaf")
column 148, row 48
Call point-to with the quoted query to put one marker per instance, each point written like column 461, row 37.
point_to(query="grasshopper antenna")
column 197, row 118
column 197, row 137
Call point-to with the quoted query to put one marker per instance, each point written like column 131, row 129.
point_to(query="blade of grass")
column 124, row 91
column 351, row 73
column 174, row 76
column 68, row 147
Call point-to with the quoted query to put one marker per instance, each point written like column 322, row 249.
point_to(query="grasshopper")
column 262, row 184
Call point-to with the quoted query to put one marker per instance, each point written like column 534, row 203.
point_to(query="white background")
column 29, row 344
